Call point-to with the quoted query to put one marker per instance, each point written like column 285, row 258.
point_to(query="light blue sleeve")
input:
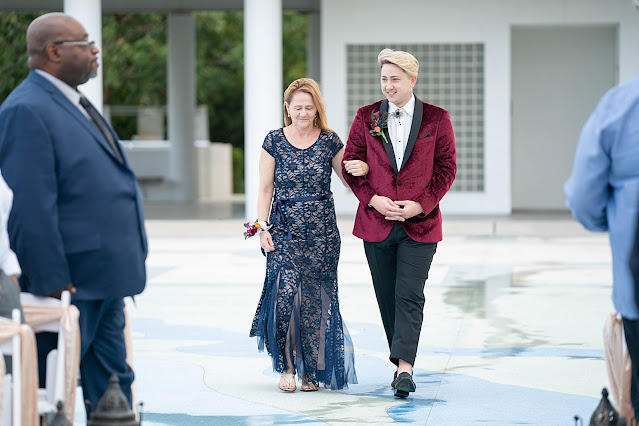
column 588, row 190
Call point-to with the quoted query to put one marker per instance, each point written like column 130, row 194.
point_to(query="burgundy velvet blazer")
column 427, row 173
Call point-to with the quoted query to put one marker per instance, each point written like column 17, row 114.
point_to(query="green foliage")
column 13, row 55
column 133, row 59
column 294, row 35
column 238, row 170
column 220, row 73
column 220, row 67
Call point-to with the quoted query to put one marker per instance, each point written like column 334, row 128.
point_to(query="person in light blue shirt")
column 603, row 195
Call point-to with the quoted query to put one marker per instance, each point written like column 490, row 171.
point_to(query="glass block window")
column 451, row 76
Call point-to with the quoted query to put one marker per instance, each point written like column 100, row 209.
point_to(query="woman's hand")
column 266, row 241
column 356, row 167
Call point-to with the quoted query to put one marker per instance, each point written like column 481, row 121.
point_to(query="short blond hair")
column 404, row 60
column 307, row 85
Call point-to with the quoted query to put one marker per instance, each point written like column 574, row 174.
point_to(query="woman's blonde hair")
column 307, row 85
column 404, row 60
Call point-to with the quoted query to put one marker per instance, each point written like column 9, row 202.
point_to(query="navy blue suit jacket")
column 77, row 213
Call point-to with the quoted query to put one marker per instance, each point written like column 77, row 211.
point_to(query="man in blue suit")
column 77, row 221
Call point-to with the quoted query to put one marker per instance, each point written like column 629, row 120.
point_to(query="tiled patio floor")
column 512, row 331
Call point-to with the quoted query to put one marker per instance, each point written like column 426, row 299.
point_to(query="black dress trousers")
column 399, row 267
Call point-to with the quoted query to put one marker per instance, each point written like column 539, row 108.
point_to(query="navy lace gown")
column 298, row 317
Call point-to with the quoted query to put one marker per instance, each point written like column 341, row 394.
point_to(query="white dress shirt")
column 399, row 128
column 8, row 260
column 68, row 91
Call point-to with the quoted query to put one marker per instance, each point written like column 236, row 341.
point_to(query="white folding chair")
column 12, row 395
column 55, row 378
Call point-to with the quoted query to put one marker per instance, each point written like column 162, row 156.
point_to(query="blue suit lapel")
column 388, row 147
column 63, row 102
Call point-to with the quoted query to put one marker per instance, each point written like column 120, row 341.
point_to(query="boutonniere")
column 379, row 122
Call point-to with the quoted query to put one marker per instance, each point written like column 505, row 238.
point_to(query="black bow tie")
column 397, row 114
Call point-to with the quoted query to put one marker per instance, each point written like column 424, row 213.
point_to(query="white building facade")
column 519, row 79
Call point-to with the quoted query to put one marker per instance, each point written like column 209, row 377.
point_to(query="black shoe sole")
column 403, row 385
column 400, row 393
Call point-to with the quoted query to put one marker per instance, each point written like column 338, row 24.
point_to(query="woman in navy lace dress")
column 298, row 317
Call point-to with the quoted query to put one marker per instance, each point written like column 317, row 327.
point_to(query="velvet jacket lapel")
column 388, row 146
column 418, row 114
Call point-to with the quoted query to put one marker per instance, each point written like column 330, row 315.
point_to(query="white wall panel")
column 457, row 21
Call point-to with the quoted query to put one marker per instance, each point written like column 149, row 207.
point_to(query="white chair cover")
column 36, row 315
column 618, row 365
column 28, row 369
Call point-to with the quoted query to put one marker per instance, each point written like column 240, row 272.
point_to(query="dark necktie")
column 98, row 120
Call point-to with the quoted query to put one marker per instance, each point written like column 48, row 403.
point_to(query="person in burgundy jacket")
column 409, row 146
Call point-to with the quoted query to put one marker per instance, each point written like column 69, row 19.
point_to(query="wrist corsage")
column 254, row 228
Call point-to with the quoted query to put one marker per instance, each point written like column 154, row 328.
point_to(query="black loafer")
column 400, row 393
column 394, row 378
column 404, row 384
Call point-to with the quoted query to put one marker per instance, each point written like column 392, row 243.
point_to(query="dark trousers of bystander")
column 103, row 349
column 631, row 332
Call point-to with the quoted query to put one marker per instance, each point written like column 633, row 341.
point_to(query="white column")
column 181, row 85
column 628, row 60
column 313, row 47
column 262, row 86
column 89, row 13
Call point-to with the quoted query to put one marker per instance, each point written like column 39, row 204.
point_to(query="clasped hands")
column 395, row 210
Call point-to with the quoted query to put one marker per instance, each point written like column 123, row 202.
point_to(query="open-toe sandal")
column 287, row 383
column 309, row 387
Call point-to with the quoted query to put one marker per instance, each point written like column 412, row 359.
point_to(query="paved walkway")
column 512, row 330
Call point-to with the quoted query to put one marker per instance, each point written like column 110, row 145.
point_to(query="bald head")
column 45, row 29
column 52, row 46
